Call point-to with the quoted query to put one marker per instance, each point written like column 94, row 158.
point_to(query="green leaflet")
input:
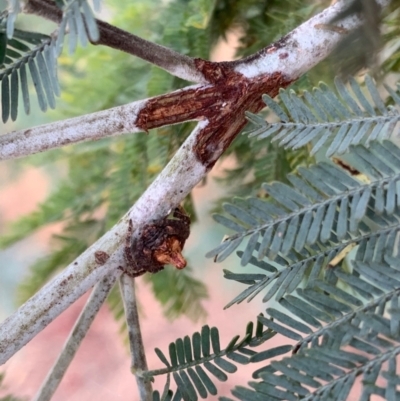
column 77, row 15
column 196, row 362
column 325, row 117
column 21, row 49
column 326, row 358
column 324, row 205
column 32, row 52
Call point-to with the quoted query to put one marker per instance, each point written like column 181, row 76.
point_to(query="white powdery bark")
column 178, row 178
column 188, row 74
column 102, row 124
column 304, row 47
column 111, row 122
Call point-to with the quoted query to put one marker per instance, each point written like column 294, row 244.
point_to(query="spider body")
column 157, row 244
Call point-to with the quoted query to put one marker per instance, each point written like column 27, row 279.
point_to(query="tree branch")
column 102, row 259
column 115, row 121
column 175, row 63
column 223, row 119
column 78, row 333
column 304, row 47
column 234, row 88
column 138, row 356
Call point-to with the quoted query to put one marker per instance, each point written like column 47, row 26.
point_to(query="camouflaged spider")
column 157, row 244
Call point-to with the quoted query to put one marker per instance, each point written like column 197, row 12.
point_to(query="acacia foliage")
column 315, row 221
column 326, row 249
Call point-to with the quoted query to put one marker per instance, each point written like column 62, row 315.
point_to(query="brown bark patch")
column 101, row 257
column 158, row 244
column 223, row 104
column 237, row 95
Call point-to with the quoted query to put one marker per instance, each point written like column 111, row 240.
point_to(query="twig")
column 177, row 179
column 138, row 355
column 82, row 325
column 293, row 52
column 115, row 121
column 222, row 102
column 175, row 63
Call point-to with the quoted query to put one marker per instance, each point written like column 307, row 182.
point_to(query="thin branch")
column 101, row 259
column 106, row 123
column 78, row 333
column 138, row 116
column 175, row 63
column 310, row 42
column 236, row 86
column 138, row 356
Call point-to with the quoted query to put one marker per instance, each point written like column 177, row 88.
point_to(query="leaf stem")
column 175, row 63
column 82, row 325
column 138, row 355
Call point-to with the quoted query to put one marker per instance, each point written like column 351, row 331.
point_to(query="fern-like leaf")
column 348, row 213
column 27, row 52
column 339, row 335
column 23, row 51
column 14, row 8
column 323, row 205
column 283, row 276
column 187, row 357
column 323, row 116
column 78, row 20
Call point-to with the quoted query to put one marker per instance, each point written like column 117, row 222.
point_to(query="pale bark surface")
column 138, row 356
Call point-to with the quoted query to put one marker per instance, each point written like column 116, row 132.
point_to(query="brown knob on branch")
column 170, row 253
column 158, row 244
